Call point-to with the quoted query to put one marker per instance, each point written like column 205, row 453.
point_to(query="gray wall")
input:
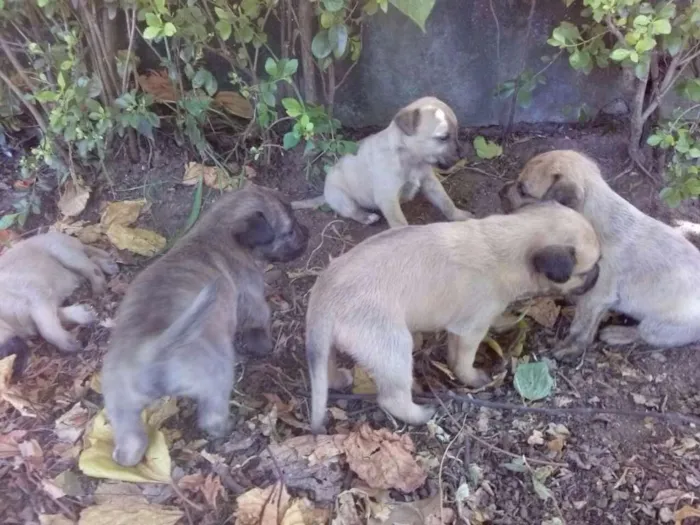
column 458, row 60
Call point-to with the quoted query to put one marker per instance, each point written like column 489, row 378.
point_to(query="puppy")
column 648, row 271
column 36, row 276
column 457, row 277
column 175, row 328
column 392, row 165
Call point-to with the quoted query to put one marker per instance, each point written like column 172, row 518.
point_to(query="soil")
column 595, row 469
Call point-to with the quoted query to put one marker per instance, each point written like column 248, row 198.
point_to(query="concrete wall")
column 461, row 59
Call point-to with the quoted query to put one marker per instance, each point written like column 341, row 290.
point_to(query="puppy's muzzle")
column 589, row 281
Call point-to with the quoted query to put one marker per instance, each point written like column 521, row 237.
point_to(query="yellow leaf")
column 684, row 513
column 262, row 506
column 54, row 519
column 124, row 213
column 10, row 394
column 74, row 199
column 96, row 458
column 137, row 240
column 90, row 234
column 6, row 365
column 302, row 512
column 234, row 103
column 544, row 311
column 213, row 177
column 134, row 513
column 493, row 345
column 362, row 382
column 444, row 369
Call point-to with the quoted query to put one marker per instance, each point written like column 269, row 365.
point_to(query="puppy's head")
column 266, row 225
column 560, row 175
column 564, row 253
column 429, row 131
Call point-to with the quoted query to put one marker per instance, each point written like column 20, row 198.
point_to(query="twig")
column 442, row 464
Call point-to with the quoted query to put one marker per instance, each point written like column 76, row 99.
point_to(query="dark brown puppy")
column 175, row 327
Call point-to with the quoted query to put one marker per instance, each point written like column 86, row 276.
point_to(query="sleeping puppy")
column 175, row 328
column 457, row 277
column 648, row 271
column 391, row 166
column 36, row 276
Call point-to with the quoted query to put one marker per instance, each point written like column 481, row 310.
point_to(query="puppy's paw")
column 619, row 335
column 109, row 266
column 130, row 451
column 340, row 379
column 473, row 377
column 462, row 215
column 371, row 218
column 216, row 425
column 81, row 314
column 70, row 345
column 98, row 282
column 568, row 352
column 257, row 342
column 421, row 414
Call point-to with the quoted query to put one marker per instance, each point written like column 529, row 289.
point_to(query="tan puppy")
column 648, row 271
column 391, row 166
column 457, row 277
column 175, row 328
column 36, row 276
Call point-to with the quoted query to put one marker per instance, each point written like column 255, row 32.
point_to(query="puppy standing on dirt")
column 649, row 270
column 36, row 276
column 457, row 277
column 392, row 165
column 175, row 327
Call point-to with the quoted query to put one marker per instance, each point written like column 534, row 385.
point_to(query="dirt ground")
column 593, row 469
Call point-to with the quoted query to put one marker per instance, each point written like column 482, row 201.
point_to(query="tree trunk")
column 307, row 58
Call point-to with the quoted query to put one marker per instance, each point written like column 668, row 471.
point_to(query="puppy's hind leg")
column 102, row 259
column 214, row 394
column 389, row 358
column 75, row 258
column 345, row 206
column 658, row 333
column 48, row 323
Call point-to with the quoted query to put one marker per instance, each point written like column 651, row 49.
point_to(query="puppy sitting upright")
column 392, row 165
column 175, row 328
column 457, row 277
column 36, row 276
column 649, row 270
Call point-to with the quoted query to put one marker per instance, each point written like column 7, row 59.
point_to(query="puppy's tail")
column 318, row 349
column 309, row 204
column 186, row 327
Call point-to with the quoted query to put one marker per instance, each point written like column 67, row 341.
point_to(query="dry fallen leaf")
column 119, row 514
column 136, row 240
column 263, row 506
column 234, row 103
column 212, row 488
column 119, row 492
column 213, row 177
column 422, row 512
column 96, row 458
column 74, row 199
column 684, row 513
column 362, row 382
column 158, row 84
column 124, row 213
column 302, row 512
column 32, row 455
column 383, row 459
column 9, row 443
column 544, row 311
column 70, row 426
column 52, row 489
column 54, row 519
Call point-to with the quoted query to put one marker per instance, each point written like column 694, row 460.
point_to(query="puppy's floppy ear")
column 256, row 231
column 555, row 262
column 564, row 193
column 407, row 120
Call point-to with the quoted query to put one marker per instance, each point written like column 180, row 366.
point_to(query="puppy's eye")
column 443, row 138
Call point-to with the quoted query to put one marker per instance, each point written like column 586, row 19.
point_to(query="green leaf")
column 654, row 140
column 661, row 27
column 338, row 39
column 245, row 34
column 619, row 54
column 566, row 33
column 271, row 67
column 223, row 27
column 673, row 43
column 580, row 60
column 517, row 465
column 151, row 32
column 524, row 98
column 292, row 106
column 153, row 20
column 333, row 5
column 689, row 89
column 8, row 220
column 641, row 21
column 533, row 381
column 416, row 10
column 290, row 67
column 671, row 196
column 645, row 44
column 290, row 140
column 61, row 80
column 196, row 205
column 541, row 490
column 486, row 149
column 327, row 19
column 320, row 45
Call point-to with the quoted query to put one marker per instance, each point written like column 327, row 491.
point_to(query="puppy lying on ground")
column 175, row 328
column 457, row 277
column 392, row 165
column 648, row 271
column 36, row 276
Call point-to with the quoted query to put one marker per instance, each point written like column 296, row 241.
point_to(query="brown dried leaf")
column 136, row 240
column 32, row 455
column 120, row 514
column 383, row 459
column 263, row 506
column 684, row 513
column 302, row 512
column 71, row 425
column 9, row 443
column 54, row 491
column 422, row 512
column 119, row 493
column 74, row 199
column 234, row 103
column 158, row 84
column 211, row 489
column 213, row 177
column 124, row 213
column 191, row 482
column 544, row 312
column 670, row 497
column 54, row 519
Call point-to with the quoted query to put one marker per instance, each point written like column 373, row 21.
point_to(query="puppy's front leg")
column 461, row 352
column 590, row 309
column 436, row 194
column 255, row 326
column 391, row 209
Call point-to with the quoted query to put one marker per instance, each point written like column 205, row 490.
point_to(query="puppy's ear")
column 556, row 263
column 564, row 193
column 256, row 231
column 407, row 120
